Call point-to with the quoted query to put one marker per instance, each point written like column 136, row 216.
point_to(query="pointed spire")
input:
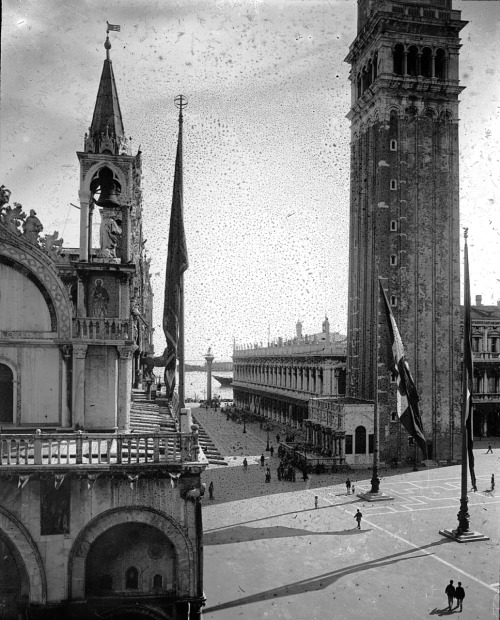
column 106, row 130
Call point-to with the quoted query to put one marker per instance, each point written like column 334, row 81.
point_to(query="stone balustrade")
column 92, row 328
column 483, row 397
column 97, row 450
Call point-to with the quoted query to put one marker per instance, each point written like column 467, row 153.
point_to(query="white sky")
column 266, row 145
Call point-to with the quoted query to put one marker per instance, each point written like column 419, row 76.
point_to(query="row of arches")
column 408, row 113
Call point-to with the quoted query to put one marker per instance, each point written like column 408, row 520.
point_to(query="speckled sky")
column 266, row 145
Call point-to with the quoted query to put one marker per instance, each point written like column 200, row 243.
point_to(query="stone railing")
column 486, row 356
column 482, row 397
column 92, row 328
column 97, row 450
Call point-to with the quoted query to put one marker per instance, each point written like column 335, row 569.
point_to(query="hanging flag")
column 408, row 409
column 113, row 27
column 177, row 263
column 468, row 368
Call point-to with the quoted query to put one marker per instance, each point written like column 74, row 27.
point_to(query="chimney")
column 498, row 303
column 479, row 299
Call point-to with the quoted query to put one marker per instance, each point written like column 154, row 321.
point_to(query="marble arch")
column 186, row 575
column 26, row 555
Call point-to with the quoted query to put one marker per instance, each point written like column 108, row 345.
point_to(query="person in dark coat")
column 450, row 593
column 211, row 490
column 348, row 486
column 245, row 464
column 358, row 516
column 459, row 595
column 262, row 459
column 271, row 450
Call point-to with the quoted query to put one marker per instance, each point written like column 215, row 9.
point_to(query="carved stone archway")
column 26, row 555
column 186, row 569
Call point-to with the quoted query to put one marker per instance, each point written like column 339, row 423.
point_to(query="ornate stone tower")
column 113, row 281
column 404, row 213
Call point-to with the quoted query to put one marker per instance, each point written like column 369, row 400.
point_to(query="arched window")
column 157, row 582
column 358, row 85
column 369, row 71
column 6, row 395
column 394, row 225
column 398, row 58
column 394, row 300
column 132, row 578
column 375, row 65
column 394, row 184
column 412, row 60
column 365, row 79
column 441, row 64
column 106, row 582
column 426, row 66
column 393, row 145
column 360, row 440
column 394, row 260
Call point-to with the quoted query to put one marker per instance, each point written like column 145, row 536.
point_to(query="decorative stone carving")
column 109, row 233
column 4, row 196
column 12, row 217
column 32, row 227
column 127, row 352
column 80, row 351
column 51, row 243
column 66, row 351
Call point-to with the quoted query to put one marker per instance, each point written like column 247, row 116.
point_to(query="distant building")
column 486, row 348
column 278, row 381
column 95, row 520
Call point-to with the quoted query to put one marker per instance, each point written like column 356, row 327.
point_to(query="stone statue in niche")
column 32, row 227
column 99, row 300
column 109, row 232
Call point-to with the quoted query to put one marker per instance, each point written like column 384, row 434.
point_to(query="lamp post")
column 267, row 447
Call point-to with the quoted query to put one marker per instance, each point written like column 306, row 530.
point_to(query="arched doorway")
column 11, row 582
column 128, row 560
column 6, row 395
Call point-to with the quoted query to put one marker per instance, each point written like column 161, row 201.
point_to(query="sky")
column 266, row 145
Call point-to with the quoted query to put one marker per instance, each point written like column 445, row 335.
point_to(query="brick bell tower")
column 404, row 212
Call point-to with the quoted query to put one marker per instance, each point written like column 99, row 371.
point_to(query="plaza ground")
column 268, row 553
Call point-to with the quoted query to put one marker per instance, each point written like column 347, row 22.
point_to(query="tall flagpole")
column 463, row 533
column 181, row 102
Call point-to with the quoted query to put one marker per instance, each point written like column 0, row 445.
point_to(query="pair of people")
column 452, row 592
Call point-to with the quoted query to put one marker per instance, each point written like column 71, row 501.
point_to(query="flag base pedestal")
column 463, row 537
column 374, row 497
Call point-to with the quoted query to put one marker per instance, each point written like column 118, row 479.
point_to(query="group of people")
column 452, row 593
column 349, row 487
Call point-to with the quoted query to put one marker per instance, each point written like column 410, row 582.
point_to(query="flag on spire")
column 114, row 27
column 407, row 408
column 177, row 263
column 468, row 368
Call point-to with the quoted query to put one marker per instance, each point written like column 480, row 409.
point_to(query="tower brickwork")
column 404, row 212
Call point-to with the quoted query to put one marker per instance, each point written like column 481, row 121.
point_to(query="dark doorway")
column 6, row 395
column 429, row 450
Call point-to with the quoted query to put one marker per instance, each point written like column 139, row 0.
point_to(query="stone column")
column 84, row 197
column 78, row 385
column 66, row 387
column 124, row 386
column 485, row 382
column 485, row 339
column 209, row 359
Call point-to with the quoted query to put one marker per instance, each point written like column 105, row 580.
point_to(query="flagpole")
column 375, row 481
column 463, row 533
column 181, row 103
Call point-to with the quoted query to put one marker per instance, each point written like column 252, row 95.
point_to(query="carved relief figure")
column 99, row 300
column 109, row 232
column 32, row 227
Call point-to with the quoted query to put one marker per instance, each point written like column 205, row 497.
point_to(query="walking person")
column 358, row 516
column 245, row 464
column 489, row 449
column 492, row 482
column 450, row 593
column 271, row 449
column 348, row 486
column 315, row 501
column 459, row 595
column 211, row 490
column 277, row 439
column 352, row 489
column 262, row 459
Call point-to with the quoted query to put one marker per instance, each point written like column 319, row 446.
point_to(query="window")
column 398, row 58
column 412, row 61
column 394, row 416
column 132, row 578
column 348, row 444
column 394, row 260
column 394, row 225
column 6, row 394
column 393, row 145
column 157, row 582
column 394, row 184
column 360, row 440
column 440, row 64
column 371, row 439
column 394, row 377
column 394, row 300
column 426, row 68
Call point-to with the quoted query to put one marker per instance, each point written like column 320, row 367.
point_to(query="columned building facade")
column 277, row 381
column 404, row 213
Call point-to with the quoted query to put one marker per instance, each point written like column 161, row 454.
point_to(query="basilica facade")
column 98, row 518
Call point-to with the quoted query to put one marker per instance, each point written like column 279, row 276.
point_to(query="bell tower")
column 114, row 298
column 404, row 211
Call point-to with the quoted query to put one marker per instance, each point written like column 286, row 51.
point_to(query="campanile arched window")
column 398, row 57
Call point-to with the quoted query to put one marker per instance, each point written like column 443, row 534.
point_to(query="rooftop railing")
column 98, row 449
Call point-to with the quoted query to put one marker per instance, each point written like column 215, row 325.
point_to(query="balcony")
column 486, row 356
column 486, row 398
column 93, row 329
column 97, row 451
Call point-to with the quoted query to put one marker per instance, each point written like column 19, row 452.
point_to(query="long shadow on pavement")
column 442, row 612
column 323, row 581
column 240, row 534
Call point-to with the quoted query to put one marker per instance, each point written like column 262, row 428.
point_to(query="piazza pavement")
column 270, row 554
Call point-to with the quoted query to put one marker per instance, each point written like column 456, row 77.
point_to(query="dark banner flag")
column 177, row 263
column 408, row 409
column 468, row 369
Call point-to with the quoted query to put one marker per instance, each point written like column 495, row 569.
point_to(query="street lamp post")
column 209, row 359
